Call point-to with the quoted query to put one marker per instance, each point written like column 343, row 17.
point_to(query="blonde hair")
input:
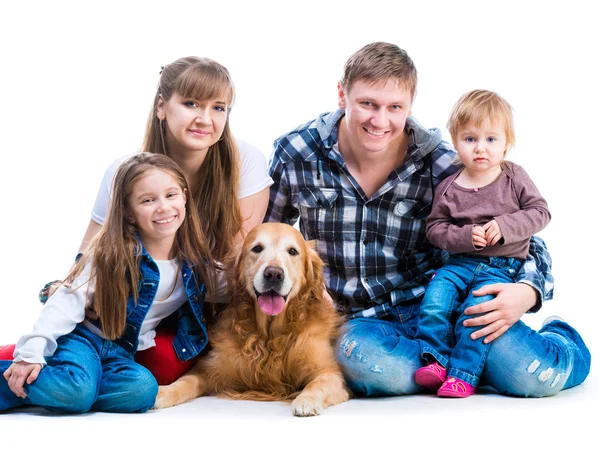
column 478, row 107
column 380, row 61
column 219, row 176
column 114, row 254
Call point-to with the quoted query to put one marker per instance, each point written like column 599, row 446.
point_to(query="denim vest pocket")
column 319, row 207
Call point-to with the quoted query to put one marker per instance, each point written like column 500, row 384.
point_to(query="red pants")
column 161, row 360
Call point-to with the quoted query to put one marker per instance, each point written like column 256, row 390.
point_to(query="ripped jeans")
column 380, row 357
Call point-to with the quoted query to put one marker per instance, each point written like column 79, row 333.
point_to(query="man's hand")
column 492, row 232
column 20, row 372
column 511, row 302
column 479, row 239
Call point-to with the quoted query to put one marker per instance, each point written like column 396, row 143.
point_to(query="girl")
column 189, row 122
column 148, row 261
column 484, row 215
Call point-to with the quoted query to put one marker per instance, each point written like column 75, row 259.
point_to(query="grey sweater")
column 512, row 200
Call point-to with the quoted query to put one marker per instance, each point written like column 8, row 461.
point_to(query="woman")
column 189, row 122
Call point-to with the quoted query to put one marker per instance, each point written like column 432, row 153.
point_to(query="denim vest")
column 191, row 337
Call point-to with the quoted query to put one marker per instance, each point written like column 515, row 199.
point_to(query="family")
column 429, row 248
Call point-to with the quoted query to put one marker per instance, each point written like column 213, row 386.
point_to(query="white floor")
column 483, row 430
column 91, row 92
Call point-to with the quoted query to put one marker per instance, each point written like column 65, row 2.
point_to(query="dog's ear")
column 314, row 267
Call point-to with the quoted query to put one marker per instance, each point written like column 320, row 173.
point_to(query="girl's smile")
column 157, row 208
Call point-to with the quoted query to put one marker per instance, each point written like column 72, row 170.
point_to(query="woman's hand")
column 20, row 372
column 49, row 289
column 510, row 304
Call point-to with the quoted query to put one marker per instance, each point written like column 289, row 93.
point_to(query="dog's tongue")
column 271, row 303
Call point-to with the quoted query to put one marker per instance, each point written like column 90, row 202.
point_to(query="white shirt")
column 170, row 296
column 66, row 308
column 253, row 178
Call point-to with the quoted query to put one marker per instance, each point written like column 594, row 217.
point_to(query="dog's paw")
column 164, row 398
column 305, row 405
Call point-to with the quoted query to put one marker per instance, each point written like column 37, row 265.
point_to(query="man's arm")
column 280, row 209
column 535, row 285
column 537, row 272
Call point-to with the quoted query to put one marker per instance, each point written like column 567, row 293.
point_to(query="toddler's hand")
column 492, row 232
column 479, row 237
column 20, row 372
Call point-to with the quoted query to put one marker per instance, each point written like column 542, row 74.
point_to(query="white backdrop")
column 77, row 82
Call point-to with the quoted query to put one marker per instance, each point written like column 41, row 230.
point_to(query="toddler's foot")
column 431, row 376
column 456, row 388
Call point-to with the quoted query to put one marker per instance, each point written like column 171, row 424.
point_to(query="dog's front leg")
column 325, row 390
column 185, row 388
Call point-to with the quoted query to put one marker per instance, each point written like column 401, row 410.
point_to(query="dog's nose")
column 273, row 275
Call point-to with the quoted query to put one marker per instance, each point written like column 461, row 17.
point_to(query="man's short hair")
column 380, row 61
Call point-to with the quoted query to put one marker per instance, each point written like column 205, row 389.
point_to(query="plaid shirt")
column 375, row 250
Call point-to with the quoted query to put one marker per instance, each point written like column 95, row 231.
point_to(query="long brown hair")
column 217, row 189
column 114, row 254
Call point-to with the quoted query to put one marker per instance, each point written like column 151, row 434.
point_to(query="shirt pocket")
column 408, row 225
column 319, row 206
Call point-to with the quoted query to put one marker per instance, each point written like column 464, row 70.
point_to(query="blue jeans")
column 86, row 373
column 380, row 357
column 440, row 330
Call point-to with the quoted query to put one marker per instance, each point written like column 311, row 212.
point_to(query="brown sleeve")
column 533, row 215
column 441, row 230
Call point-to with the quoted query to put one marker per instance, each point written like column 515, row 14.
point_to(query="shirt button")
column 184, row 350
column 366, row 241
column 367, row 280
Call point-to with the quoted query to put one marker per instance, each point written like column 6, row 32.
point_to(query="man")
column 361, row 181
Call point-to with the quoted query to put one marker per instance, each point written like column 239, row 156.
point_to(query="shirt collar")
column 421, row 141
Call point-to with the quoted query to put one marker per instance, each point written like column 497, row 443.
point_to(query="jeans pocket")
column 408, row 316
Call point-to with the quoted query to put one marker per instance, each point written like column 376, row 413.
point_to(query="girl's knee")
column 77, row 396
column 146, row 393
column 141, row 393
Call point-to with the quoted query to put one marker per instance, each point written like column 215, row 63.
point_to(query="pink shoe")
column 456, row 388
column 431, row 376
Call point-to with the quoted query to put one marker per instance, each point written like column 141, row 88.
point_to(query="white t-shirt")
column 170, row 296
column 253, row 178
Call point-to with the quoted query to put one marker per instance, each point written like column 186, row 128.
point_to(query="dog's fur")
column 270, row 357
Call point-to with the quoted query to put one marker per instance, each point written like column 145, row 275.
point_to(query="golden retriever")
column 274, row 340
